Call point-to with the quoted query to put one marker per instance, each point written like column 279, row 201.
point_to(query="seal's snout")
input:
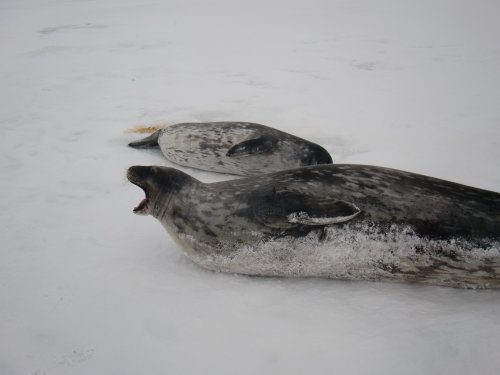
column 315, row 155
column 138, row 173
column 324, row 157
column 320, row 155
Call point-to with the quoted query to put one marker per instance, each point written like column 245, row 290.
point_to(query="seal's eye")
column 153, row 172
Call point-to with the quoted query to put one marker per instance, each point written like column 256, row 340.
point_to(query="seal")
column 342, row 221
column 240, row 148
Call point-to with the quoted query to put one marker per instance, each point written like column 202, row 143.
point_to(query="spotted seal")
column 240, row 148
column 335, row 221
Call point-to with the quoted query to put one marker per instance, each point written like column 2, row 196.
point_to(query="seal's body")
column 337, row 221
column 240, row 148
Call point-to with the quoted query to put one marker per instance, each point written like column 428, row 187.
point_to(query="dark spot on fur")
column 208, row 232
column 322, row 234
column 419, row 249
column 207, row 213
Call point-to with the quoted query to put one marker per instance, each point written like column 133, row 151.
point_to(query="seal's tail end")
column 148, row 142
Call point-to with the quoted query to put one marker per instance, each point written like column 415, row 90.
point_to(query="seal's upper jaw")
column 137, row 176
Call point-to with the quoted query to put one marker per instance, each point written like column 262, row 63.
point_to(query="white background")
column 86, row 287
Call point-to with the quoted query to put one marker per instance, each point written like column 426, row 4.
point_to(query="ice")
column 87, row 287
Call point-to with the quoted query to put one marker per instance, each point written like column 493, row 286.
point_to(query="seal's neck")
column 178, row 188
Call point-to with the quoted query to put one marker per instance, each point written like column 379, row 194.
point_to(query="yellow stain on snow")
column 144, row 128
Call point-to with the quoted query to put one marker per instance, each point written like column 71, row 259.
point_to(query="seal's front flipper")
column 286, row 209
column 337, row 212
column 261, row 145
column 148, row 142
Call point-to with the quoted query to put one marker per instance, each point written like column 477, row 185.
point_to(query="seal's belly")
column 353, row 253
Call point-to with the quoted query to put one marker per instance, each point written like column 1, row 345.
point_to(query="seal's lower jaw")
column 142, row 208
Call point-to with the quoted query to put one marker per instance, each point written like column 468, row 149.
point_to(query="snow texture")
column 87, row 287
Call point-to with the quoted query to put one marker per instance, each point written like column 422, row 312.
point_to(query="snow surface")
column 86, row 287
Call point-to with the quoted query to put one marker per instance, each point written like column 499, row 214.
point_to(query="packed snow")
column 87, row 287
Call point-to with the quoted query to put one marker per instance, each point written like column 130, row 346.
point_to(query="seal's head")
column 158, row 183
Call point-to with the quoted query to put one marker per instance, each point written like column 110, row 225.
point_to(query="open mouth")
column 142, row 208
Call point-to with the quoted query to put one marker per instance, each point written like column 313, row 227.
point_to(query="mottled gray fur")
column 385, row 224
column 240, row 148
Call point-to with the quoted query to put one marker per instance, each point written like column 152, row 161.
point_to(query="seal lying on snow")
column 337, row 221
column 241, row 148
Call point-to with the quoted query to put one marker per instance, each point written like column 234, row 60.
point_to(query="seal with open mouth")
column 336, row 221
column 240, row 148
